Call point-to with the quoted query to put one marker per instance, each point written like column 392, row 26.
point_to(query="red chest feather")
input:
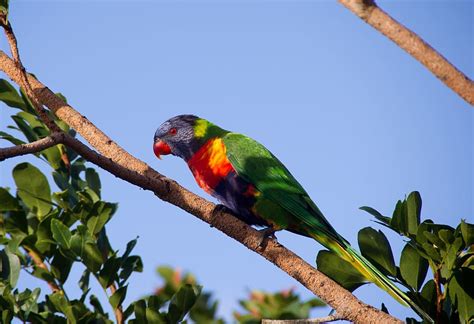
column 210, row 165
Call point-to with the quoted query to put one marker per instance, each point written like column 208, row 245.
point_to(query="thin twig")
column 40, row 264
column 439, row 295
column 119, row 162
column 118, row 311
column 33, row 147
column 24, row 81
column 414, row 45
column 329, row 318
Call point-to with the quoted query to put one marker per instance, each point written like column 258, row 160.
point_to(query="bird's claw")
column 265, row 233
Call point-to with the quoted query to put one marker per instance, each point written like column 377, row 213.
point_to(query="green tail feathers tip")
column 374, row 275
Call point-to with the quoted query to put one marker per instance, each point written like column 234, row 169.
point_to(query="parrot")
column 246, row 178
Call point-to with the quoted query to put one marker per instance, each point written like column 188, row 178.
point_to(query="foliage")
column 281, row 305
column 205, row 308
column 448, row 252
column 259, row 305
column 46, row 232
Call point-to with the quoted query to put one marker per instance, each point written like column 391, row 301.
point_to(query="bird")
column 257, row 188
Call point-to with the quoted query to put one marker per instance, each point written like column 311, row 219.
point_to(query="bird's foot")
column 268, row 232
column 221, row 209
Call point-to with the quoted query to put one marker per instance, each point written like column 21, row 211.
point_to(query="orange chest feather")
column 210, row 165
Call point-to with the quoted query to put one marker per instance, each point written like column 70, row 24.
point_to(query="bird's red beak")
column 161, row 148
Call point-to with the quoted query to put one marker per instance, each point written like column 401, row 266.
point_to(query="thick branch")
column 368, row 11
column 33, row 147
column 120, row 163
column 330, row 318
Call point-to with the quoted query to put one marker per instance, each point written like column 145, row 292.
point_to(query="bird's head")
column 176, row 136
column 183, row 135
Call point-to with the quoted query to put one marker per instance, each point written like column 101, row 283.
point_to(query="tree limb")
column 119, row 162
column 23, row 82
column 330, row 318
column 369, row 12
column 33, row 147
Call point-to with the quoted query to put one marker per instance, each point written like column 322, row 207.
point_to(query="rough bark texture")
column 33, row 147
column 368, row 11
column 119, row 162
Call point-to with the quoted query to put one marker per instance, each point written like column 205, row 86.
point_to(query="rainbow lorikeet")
column 249, row 180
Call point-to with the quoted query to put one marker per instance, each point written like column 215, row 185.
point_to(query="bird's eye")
column 172, row 131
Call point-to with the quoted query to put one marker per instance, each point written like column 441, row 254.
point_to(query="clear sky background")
column 355, row 118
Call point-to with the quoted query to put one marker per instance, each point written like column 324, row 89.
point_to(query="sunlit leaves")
column 47, row 234
column 8, row 93
column 339, row 270
column 33, row 188
column 375, row 247
column 182, row 302
column 413, row 267
column 283, row 305
column 9, row 267
column 445, row 250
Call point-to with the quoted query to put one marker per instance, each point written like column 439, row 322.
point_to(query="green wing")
column 257, row 165
column 252, row 161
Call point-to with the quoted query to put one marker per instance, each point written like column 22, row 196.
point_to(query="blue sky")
column 356, row 119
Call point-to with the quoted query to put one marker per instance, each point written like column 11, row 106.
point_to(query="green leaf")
column 413, row 204
column 182, row 302
column 131, row 264
column 53, row 155
column 428, row 297
column 130, row 246
column 8, row 93
column 93, row 180
column 92, row 257
column 25, row 128
column 413, row 267
column 140, row 311
column 376, row 248
column 154, row 317
column 96, row 223
column 467, row 231
column 446, row 236
column 399, row 221
column 9, row 267
column 33, row 188
column 108, row 273
column 339, row 270
column 11, row 139
column 31, row 305
column 60, row 267
column 7, row 201
column 61, row 304
column 118, row 297
column 461, row 293
column 84, row 281
column 61, row 233
column 384, row 219
column 94, row 301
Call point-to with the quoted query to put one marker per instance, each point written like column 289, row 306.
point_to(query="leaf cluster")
column 448, row 294
column 45, row 233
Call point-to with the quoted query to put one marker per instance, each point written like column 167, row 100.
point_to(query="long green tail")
column 369, row 271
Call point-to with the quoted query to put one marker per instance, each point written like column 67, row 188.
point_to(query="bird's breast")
column 210, row 165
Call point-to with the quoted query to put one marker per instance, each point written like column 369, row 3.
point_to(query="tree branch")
column 40, row 264
column 23, row 81
column 330, row 318
column 125, row 166
column 368, row 11
column 33, row 147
